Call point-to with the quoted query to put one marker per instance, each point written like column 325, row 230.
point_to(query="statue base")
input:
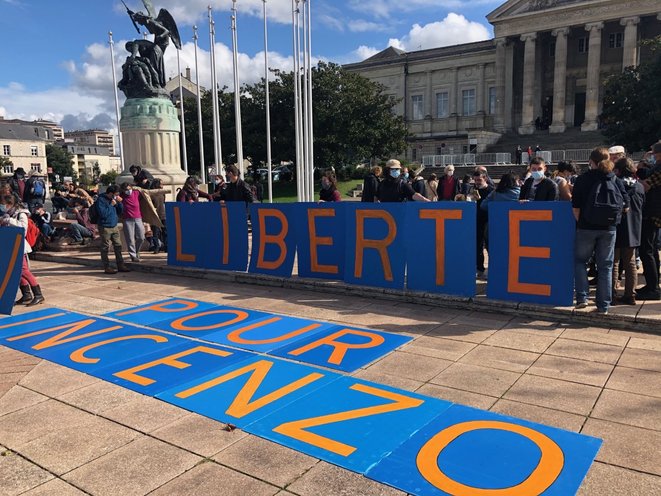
column 150, row 131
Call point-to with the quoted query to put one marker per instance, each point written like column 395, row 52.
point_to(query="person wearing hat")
column 616, row 153
column 393, row 189
column 141, row 177
column 649, row 252
column 108, row 209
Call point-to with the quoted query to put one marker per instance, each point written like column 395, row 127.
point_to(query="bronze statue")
column 143, row 73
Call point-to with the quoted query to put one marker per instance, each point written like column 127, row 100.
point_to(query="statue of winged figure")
column 143, row 73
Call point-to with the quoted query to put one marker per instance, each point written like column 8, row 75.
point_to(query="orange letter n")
column 517, row 252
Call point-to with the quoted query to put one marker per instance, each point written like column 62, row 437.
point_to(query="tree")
column 108, row 178
column 632, row 102
column 61, row 161
column 5, row 162
column 353, row 120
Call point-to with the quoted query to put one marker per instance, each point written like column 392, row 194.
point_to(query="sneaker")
column 581, row 304
column 628, row 300
column 124, row 268
column 601, row 311
column 110, row 270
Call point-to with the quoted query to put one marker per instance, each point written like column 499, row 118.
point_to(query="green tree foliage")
column 108, row 178
column 61, row 161
column 632, row 102
column 5, row 162
column 353, row 121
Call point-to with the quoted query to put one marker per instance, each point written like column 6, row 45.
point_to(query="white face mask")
column 538, row 175
column 450, row 173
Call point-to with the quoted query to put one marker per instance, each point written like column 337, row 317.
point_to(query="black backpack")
column 93, row 213
column 605, row 203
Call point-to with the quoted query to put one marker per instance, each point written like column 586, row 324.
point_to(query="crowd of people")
column 616, row 204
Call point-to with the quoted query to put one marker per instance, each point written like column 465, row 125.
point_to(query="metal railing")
column 467, row 159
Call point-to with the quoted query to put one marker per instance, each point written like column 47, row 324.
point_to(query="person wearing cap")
column 393, row 189
column 109, row 207
column 649, row 254
column 141, row 177
column 448, row 185
column 616, row 153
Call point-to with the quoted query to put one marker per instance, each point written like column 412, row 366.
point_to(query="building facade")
column 89, row 161
column 25, row 146
column 92, row 137
column 544, row 70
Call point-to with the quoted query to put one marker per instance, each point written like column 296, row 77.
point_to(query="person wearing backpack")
column 599, row 199
column 12, row 214
column 35, row 191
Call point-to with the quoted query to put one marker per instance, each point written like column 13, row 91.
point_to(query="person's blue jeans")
column 78, row 232
column 47, row 230
column 602, row 244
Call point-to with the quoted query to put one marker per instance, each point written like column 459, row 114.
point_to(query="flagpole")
column 217, row 153
column 304, row 90
column 310, row 111
column 183, row 120
column 117, row 111
column 269, row 165
column 237, row 93
column 203, row 172
column 297, row 110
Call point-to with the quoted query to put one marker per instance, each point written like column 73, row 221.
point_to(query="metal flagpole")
column 237, row 94
column 308, row 194
column 310, row 112
column 183, row 120
column 268, row 107
column 297, row 124
column 203, row 172
column 217, row 153
column 117, row 112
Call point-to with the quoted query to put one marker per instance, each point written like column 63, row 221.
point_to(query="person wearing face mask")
column 134, row 229
column 219, row 187
column 448, row 185
column 538, row 187
column 405, row 175
column 329, row 192
column 17, row 184
column 12, row 214
column 481, row 190
column 393, row 188
column 236, row 188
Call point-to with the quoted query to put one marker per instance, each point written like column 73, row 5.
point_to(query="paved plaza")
column 63, row 432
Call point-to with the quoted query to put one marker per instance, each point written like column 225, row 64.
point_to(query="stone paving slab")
column 601, row 382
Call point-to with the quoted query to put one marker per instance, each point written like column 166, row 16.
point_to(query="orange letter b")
column 274, row 239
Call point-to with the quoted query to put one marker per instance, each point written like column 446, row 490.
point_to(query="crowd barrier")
column 428, row 247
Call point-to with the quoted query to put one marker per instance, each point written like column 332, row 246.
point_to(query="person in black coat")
column 141, row 177
column 538, row 187
column 236, row 188
column 371, row 185
column 628, row 232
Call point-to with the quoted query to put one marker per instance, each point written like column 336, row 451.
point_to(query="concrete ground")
column 66, row 433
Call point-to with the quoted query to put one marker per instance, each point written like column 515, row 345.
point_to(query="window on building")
column 414, row 154
column 583, row 45
column 35, row 167
column 8, row 169
column 616, row 40
column 418, row 112
column 34, row 151
column 442, row 104
column 492, row 100
column 6, row 150
column 468, row 97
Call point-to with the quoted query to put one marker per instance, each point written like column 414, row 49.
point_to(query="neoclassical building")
column 544, row 69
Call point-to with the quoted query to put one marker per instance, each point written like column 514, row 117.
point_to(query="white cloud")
column 452, row 30
column 362, row 26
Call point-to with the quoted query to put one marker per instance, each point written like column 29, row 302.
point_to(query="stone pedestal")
column 150, row 131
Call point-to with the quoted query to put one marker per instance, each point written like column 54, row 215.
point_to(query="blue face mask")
column 537, row 175
column 395, row 173
column 3, row 209
column 406, row 176
column 652, row 159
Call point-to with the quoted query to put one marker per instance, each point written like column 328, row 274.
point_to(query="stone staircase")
column 572, row 139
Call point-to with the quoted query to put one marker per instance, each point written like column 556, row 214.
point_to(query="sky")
column 56, row 62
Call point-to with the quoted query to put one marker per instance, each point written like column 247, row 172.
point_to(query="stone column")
column 559, row 81
column 509, row 88
column 455, row 91
column 480, row 94
column 630, row 49
column 428, row 96
column 527, row 111
column 594, row 65
column 501, row 81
